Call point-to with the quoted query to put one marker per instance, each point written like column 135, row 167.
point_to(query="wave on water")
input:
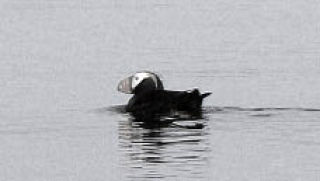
column 112, row 109
column 181, row 119
column 214, row 109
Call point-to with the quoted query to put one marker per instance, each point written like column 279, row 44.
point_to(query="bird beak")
column 125, row 85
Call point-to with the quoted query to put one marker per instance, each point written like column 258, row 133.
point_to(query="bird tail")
column 205, row 95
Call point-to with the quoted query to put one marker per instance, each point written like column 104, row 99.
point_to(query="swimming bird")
column 151, row 100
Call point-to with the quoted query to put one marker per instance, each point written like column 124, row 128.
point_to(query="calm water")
column 60, row 62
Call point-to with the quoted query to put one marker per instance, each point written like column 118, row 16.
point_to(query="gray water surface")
column 60, row 62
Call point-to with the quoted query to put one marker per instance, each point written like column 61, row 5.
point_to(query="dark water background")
column 60, row 62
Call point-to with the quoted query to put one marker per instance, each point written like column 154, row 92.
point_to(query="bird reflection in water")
column 165, row 147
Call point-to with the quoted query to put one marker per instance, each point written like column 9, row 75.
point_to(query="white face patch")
column 139, row 77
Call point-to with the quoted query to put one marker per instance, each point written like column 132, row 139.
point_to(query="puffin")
column 150, row 100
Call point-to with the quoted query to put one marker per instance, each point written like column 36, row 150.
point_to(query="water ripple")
column 151, row 153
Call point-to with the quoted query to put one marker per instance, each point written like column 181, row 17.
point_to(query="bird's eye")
column 137, row 78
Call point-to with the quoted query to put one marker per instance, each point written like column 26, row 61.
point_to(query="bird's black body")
column 150, row 100
column 160, row 102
